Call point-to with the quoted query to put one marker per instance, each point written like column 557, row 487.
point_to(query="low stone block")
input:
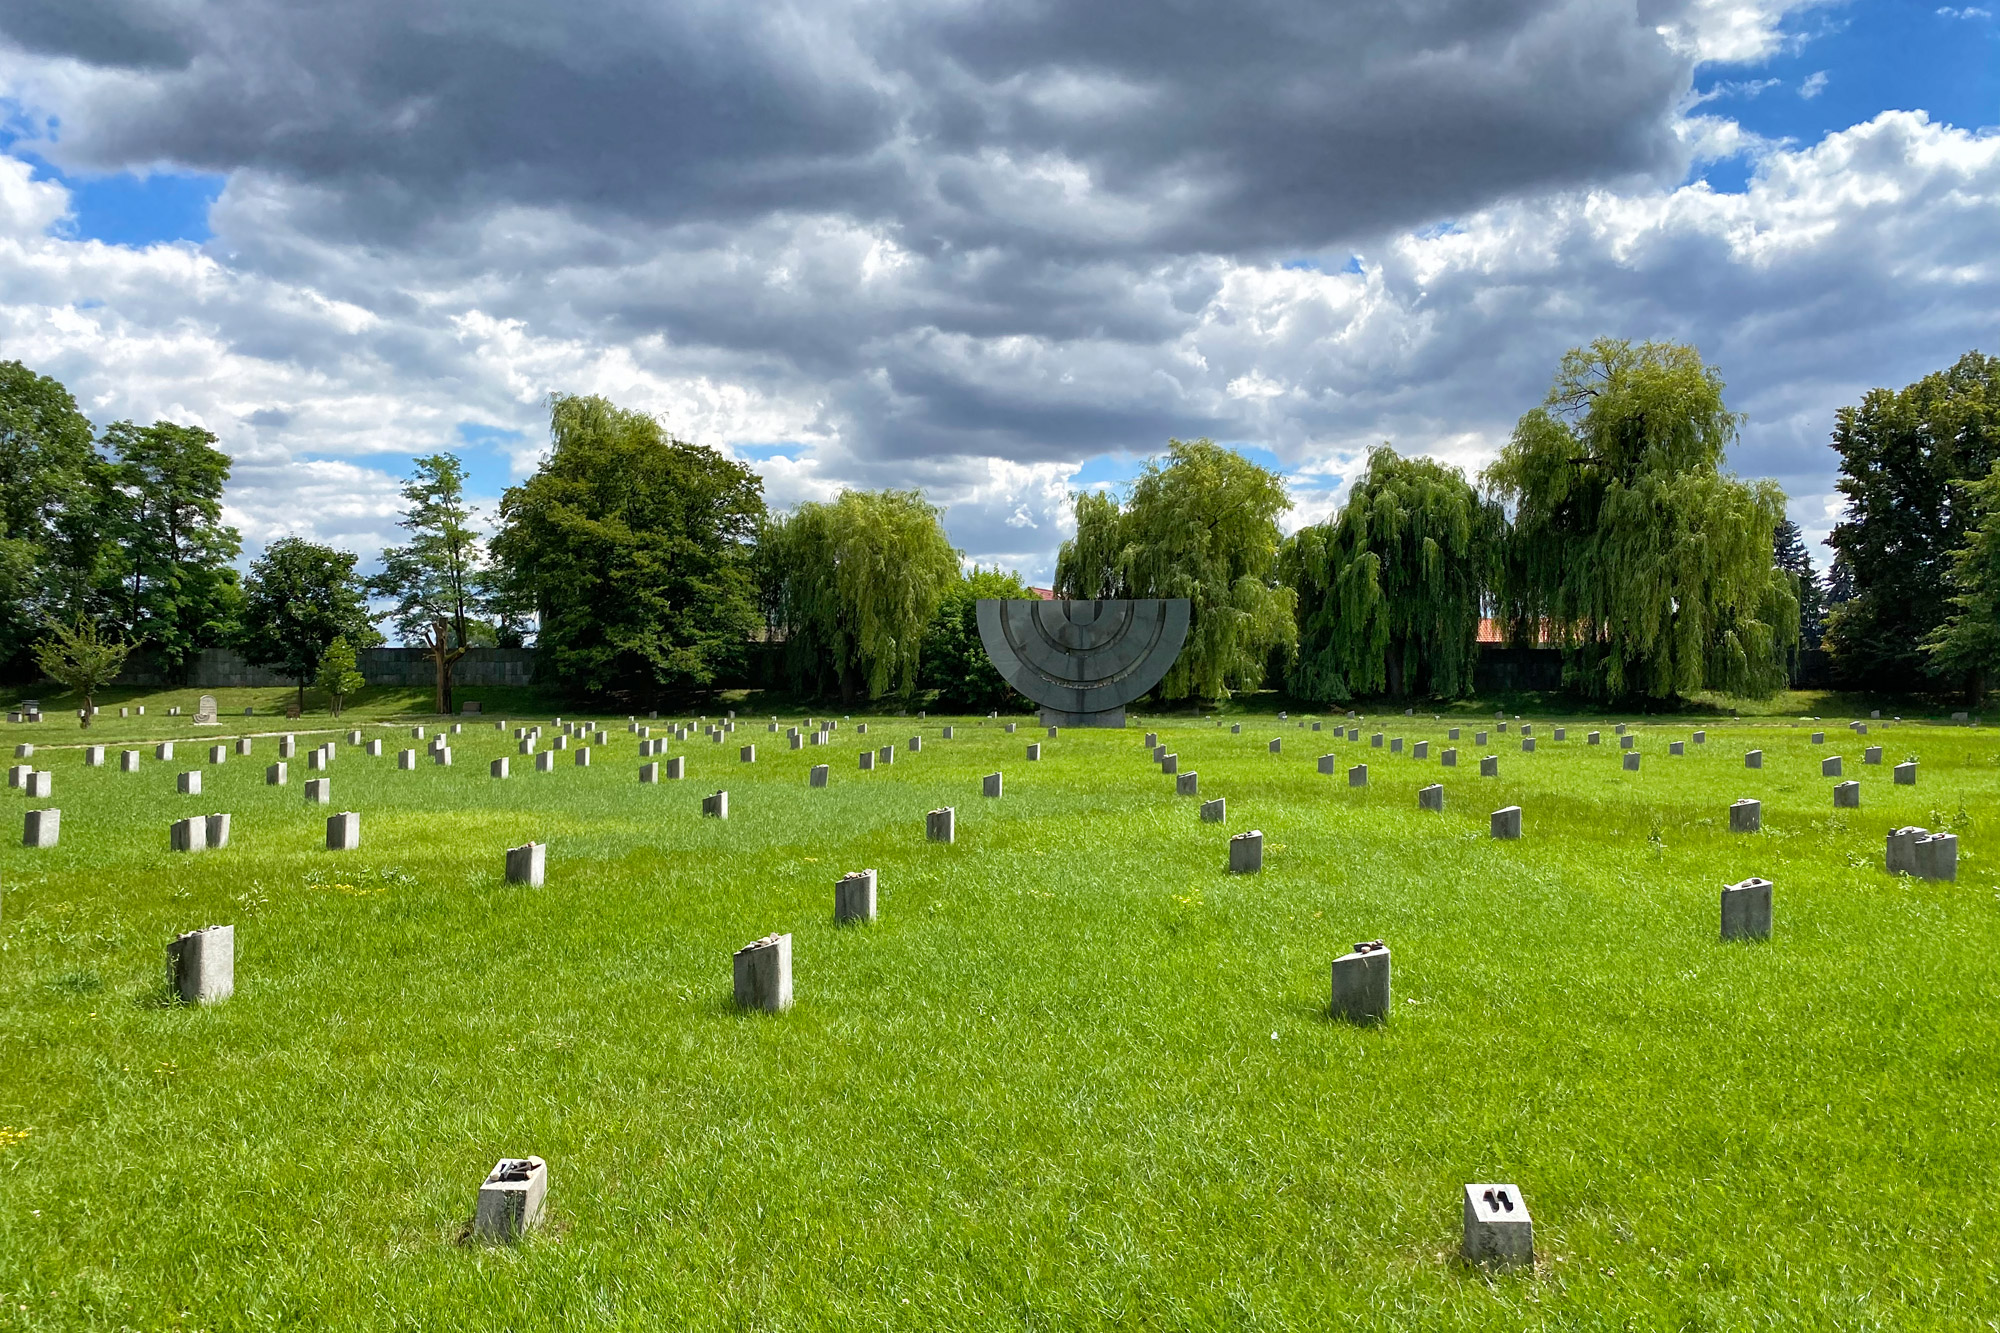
column 676, row 768
column 1906, row 774
column 1631, row 762
column 990, row 785
column 1276, row 746
column 715, row 805
column 128, row 761
column 498, row 768
column 1746, row 816
column 1506, row 822
column 819, row 775
column 1361, row 984
column 163, row 751
column 1676, row 748
column 1872, row 755
column 1152, row 739
column 526, row 864
column 941, row 825
column 40, row 786
column 747, row 755
column 1170, row 764
column 1700, row 738
column 764, row 974
column 1847, row 795
column 41, row 828
column 188, row 835
column 545, row 762
column 1375, row 741
column 1452, row 734
column 1936, row 856
column 1215, row 811
column 1527, row 745
column 1900, row 854
column 316, row 760
column 1431, row 797
column 948, row 733
column 886, row 755
column 1246, row 852
column 1627, row 742
column 582, row 753
column 288, row 746
column 1489, row 766
column 1819, row 738
column 1592, row 738
column 343, row 832
column 1753, row 759
column 1829, row 767
column 1560, row 733
column 1498, row 1232
column 1236, row 728
column 1328, row 764
column 1354, row 733
column 1034, row 752
column 1479, row 738
column 188, row 783
column 867, row 760
column 1010, row 728
column 1420, row 750
column 93, row 756
column 1619, row 728
column 1449, row 758
column 854, row 897
column 1357, row 776
column 201, row 965
column 218, row 830
column 1746, row 910
column 511, row 1199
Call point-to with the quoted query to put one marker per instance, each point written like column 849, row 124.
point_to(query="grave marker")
column 1431, row 797
column 1489, row 767
column 275, row 775
column 189, row 783
column 1632, row 762
column 1847, row 795
column 1498, row 1232
column 128, row 761
column 1215, row 811
column 990, row 785
column 1746, row 910
column 188, row 835
column 201, row 965
column 1246, row 853
column 1361, row 983
column 1746, row 816
column 941, row 825
column 343, row 832
column 511, row 1197
column 854, row 897
column 1357, row 776
column 715, row 805
column 819, row 775
column 1906, row 774
column 1753, row 759
column 41, row 828
column 1506, row 822
column 764, row 974
column 1449, row 758
column 526, row 864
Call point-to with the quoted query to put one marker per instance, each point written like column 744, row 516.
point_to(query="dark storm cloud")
column 1223, row 127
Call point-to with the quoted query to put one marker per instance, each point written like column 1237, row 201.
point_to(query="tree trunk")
column 87, row 710
column 302, row 696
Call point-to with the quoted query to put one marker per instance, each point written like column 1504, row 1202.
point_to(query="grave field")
column 1075, row 1076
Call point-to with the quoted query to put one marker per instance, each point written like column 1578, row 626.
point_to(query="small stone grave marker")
column 763, row 974
column 715, row 805
column 1361, row 983
column 511, row 1197
column 1746, row 815
column 343, row 832
column 527, row 863
column 941, row 825
column 1431, row 797
column 1746, row 910
column 1506, row 822
column 201, row 965
column 854, row 897
column 1246, row 852
column 1498, row 1232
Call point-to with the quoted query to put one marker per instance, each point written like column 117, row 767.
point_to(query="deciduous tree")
column 299, row 598
column 1967, row 646
column 81, row 659
column 1648, row 564
column 338, row 675
column 955, row 665
column 633, row 550
column 1390, row 590
column 1203, row 525
column 438, row 581
column 51, row 497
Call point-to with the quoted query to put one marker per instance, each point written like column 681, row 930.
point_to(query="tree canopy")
column 82, row 659
column 1967, row 645
column 955, row 665
column 1202, row 525
column 633, row 549
column 1391, row 589
column 855, row 583
column 1638, row 554
column 299, row 598
column 50, row 510
column 168, row 565
column 1903, row 455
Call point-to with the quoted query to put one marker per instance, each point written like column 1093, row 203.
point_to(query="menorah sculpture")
column 1083, row 661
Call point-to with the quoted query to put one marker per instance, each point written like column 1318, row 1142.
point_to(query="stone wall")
column 1513, row 670
column 224, row 668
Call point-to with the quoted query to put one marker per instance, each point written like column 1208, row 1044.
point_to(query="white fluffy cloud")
column 1001, row 313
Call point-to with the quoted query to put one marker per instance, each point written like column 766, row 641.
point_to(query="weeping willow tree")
column 853, row 585
column 1390, row 590
column 1202, row 525
column 1631, row 548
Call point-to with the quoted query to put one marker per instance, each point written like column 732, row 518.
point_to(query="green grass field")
column 1075, row 1077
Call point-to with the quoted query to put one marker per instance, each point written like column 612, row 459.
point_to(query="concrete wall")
column 224, row 668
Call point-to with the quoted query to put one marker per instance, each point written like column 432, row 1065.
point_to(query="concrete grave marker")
column 1449, row 758
column 1746, row 816
column 163, row 751
column 1627, row 742
column 1676, row 747
column 1847, row 795
column 819, row 775
column 1246, row 853
column 511, row 1198
column 1872, row 755
column 1753, row 759
column 1506, row 822
column 1034, row 751
column 40, row 786
column 41, row 828
column 218, row 830
column 1357, row 776
column 1746, row 910
column 854, row 897
column 941, row 825
column 319, row 791
column 1592, row 738
column 201, row 965
column 545, row 762
column 886, row 755
column 275, row 775
column 1498, row 1232
column 990, row 785
column 1375, row 741
column 1420, row 750
column 1819, row 738
column 1829, row 767
column 715, row 805
column 188, row 783
column 1451, row 734
column 1527, row 745
column 93, row 756
column 1906, row 774
column 676, row 768
column 498, row 768
column 343, row 832
column 1215, row 811
column 218, row 754
column 1479, row 738
column 747, row 755
column 763, row 974
column 1700, row 738
column 867, row 761
column 1489, row 766
column 1328, row 764
column 243, row 745
column 1170, row 764
column 1632, row 762
column 526, row 864
column 128, row 761
column 1361, row 984
column 188, row 835
column 1187, row 784
column 1431, row 797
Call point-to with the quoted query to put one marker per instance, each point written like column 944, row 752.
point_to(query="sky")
column 998, row 251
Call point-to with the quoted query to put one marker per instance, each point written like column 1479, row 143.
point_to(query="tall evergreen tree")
column 1903, row 454
column 1391, row 589
column 859, row 580
column 633, row 550
column 1202, row 525
column 172, row 582
column 1651, row 566
column 1788, row 549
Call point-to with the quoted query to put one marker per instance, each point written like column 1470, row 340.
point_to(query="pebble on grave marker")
column 1246, row 852
column 1847, row 795
column 941, row 825
column 1498, row 1232
column 1431, row 797
column 343, row 832
column 715, row 805
column 1746, row 815
column 1746, row 910
column 41, row 828
column 526, row 863
column 1489, row 766
column 1506, row 822
column 1753, row 759
column 511, row 1199
column 854, row 897
column 1361, row 984
column 201, row 965
column 763, row 974
column 1906, row 774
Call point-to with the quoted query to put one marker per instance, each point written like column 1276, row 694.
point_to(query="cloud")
column 1814, row 85
column 967, row 250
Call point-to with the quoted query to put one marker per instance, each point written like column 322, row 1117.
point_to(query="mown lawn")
column 1077, row 1076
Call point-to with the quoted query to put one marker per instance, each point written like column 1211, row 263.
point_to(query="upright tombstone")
column 1819, row 738
column 819, row 775
column 1451, row 734
column 1746, row 910
column 1422, row 749
column 1277, row 746
column 41, row 828
column 854, row 897
column 1746, row 816
column 128, row 761
column 582, row 756
column 1560, row 733
column 204, row 712
column 218, row 830
column 319, row 791
column 1506, row 822
column 1357, row 776
column 1753, row 759
column 763, row 974
column 189, row 782
column 1676, row 748
column 1034, row 751
column 163, row 751
column 867, row 760
column 40, row 786
column 676, row 768
column 1170, row 763
column 1700, row 738
column 1631, row 759
column 188, row 835
column 1449, row 757
column 1479, row 738
column 1592, row 738
column 93, row 756
column 511, row 1197
column 1083, row 662
column 941, row 825
column 990, row 785
column 1246, row 852
column 1328, row 764
column 526, row 864
column 545, row 762
column 201, row 965
column 715, row 805
column 1431, row 797
column 1906, row 774
column 343, row 832
column 1361, row 983
column 1872, row 755
column 1375, row 741
column 1489, row 766
column 275, row 774
column 1628, row 742
column 747, row 755
column 243, row 745
column 498, row 768
column 1829, row 767
column 1498, row 1231
column 1847, row 795
column 1215, row 811
column 886, row 755
column 1187, row 784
